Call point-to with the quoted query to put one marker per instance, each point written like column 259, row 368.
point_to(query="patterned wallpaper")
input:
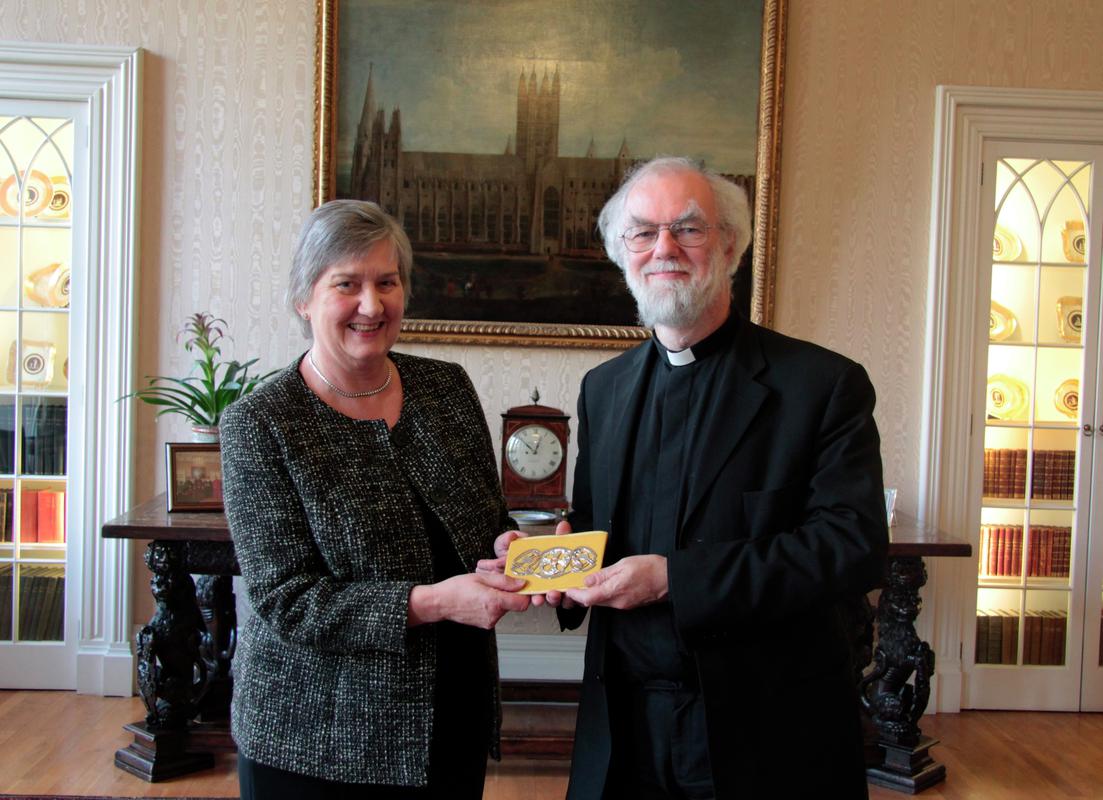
column 226, row 180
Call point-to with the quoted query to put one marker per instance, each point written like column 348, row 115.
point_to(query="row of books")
column 41, row 603
column 45, row 437
column 1044, row 634
column 1053, row 474
column 41, row 515
column 1048, row 555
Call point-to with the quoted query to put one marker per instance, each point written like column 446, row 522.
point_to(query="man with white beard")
column 738, row 473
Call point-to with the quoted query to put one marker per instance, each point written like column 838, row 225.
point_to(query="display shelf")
column 1065, row 265
column 1031, row 345
column 1032, row 517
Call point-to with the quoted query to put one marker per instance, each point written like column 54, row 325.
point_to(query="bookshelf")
column 36, row 240
column 1037, row 609
column 69, row 149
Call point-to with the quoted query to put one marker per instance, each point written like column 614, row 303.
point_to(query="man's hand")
column 631, row 582
column 501, row 548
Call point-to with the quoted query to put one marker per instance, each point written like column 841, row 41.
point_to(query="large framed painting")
column 495, row 130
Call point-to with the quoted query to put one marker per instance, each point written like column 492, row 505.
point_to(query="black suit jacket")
column 784, row 520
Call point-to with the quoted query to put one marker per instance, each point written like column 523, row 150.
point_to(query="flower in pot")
column 202, row 397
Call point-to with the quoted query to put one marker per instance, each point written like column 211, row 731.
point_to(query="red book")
column 1019, row 474
column 28, row 517
column 1006, row 549
column 1032, row 551
column 1005, row 466
column 1010, row 623
column 1069, row 483
column 1016, row 550
column 1045, row 474
column 995, row 560
column 1047, row 552
column 51, row 516
column 1064, row 551
column 1032, row 638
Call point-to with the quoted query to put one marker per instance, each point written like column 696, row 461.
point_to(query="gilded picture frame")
column 755, row 295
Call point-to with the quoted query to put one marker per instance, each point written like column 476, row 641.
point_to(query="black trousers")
column 659, row 742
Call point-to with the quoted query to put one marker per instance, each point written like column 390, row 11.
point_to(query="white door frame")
column 965, row 118
column 107, row 81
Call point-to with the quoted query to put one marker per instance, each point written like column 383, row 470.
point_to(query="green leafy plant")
column 204, row 396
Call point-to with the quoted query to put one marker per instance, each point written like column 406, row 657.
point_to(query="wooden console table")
column 184, row 653
column 894, row 705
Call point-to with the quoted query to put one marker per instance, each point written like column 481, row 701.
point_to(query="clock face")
column 534, row 452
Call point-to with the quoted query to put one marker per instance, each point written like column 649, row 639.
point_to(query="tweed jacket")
column 328, row 679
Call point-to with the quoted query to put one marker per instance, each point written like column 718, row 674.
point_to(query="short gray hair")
column 732, row 207
column 338, row 230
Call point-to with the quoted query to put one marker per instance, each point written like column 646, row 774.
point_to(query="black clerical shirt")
column 645, row 644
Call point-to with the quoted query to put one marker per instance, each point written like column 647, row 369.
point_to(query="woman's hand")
column 478, row 600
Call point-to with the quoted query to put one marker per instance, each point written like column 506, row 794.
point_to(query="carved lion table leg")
column 172, row 677
column 215, row 594
column 895, row 704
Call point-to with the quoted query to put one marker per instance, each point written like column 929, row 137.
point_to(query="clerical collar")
column 716, row 341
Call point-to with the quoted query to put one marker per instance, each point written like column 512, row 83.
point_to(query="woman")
column 361, row 492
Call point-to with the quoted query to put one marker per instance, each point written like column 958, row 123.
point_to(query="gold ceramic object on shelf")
column 58, row 207
column 1006, row 246
column 1070, row 318
column 49, row 285
column 1067, row 398
column 37, row 363
column 1074, row 241
column 1002, row 323
column 36, row 193
column 1007, row 398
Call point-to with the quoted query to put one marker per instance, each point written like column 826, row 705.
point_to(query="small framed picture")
column 194, row 476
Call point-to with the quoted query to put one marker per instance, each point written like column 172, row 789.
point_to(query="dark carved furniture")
column 903, row 760
column 184, row 653
column 186, row 650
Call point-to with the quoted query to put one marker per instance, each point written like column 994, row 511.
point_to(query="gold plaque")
column 58, row 207
column 34, row 188
column 555, row 562
column 1070, row 318
column 37, row 363
column 1007, row 398
column 1067, row 398
column 1006, row 246
column 49, row 285
column 1002, row 323
column 1074, row 241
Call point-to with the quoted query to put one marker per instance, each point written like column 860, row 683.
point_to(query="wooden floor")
column 64, row 743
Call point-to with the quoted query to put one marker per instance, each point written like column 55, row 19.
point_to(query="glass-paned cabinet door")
column 36, row 245
column 1034, row 546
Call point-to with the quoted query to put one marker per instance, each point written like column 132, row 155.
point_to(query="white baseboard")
column 105, row 670
column 533, row 657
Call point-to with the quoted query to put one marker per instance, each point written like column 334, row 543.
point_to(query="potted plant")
column 202, row 397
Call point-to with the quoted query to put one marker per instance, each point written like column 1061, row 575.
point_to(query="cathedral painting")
column 495, row 132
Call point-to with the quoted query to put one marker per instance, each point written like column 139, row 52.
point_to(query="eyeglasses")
column 642, row 238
